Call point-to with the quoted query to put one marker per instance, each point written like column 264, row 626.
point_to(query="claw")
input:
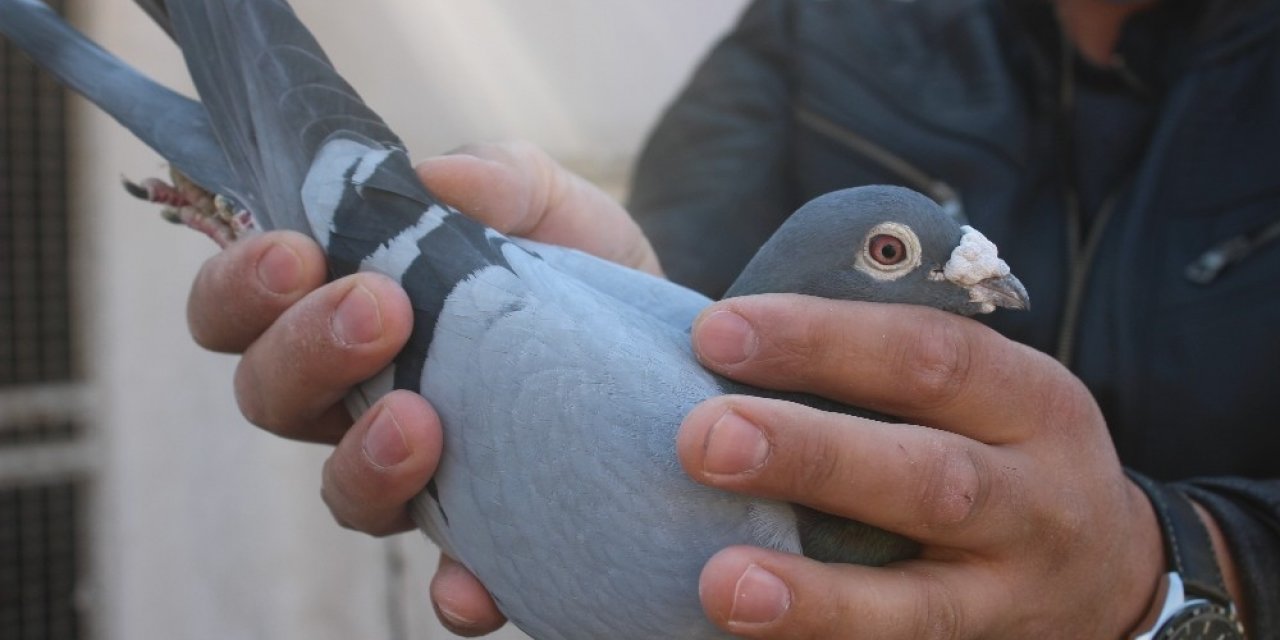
column 186, row 203
column 171, row 215
column 156, row 190
column 136, row 190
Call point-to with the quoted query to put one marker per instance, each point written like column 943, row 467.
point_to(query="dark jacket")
column 1163, row 294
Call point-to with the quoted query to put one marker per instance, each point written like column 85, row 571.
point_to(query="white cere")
column 974, row 260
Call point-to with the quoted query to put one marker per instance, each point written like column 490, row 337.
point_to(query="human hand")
column 1029, row 526
column 307, row 343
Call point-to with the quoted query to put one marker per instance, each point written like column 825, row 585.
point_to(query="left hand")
column 1005, row 474
column 305, row 343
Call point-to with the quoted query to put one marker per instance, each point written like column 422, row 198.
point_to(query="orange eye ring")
column 887, row 250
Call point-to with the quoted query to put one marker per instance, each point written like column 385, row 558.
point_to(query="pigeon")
column 560, row 378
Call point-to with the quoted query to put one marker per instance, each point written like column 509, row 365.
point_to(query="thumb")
column 518, row 189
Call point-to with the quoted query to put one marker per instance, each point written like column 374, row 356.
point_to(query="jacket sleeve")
column 1248, row 512
column 713, row 182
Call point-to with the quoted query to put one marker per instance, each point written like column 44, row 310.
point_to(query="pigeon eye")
column 887, row 250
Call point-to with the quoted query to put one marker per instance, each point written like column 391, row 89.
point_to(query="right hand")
column 306, row 343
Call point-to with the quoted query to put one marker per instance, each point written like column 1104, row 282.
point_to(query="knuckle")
column 933, row 361
column 334, row 503
column 818, row 467
column 1066, row 406
column 203, row 334
column 351, row 498
column 255, row 406
column 812, row 341
column 952, row 485
column 800, row 355
column 202, row 322
column 939, row 616
column 248, row 397
column 340, row 521
column 832, row 614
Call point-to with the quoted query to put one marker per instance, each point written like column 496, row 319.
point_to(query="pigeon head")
column 883, row 244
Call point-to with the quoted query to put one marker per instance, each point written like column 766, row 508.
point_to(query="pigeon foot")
column 188, row 204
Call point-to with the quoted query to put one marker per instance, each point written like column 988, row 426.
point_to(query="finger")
column 929, row 485
column 340, row 335
column 755, row 593
column 518, row 189
column 923, row 365
column 382, row 462
column 461, row 602
column 240, row 291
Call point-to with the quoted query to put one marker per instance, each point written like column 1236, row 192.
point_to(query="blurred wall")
column 204, row 526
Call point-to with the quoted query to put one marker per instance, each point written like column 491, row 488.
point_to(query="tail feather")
column 281, row 132
column 176, row 126
column 274, row 98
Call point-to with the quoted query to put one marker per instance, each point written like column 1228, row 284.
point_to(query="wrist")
column 1230, row 573
column 1138, row 610
column 1196, row 602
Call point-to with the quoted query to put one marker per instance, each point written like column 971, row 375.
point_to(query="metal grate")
column 37, row 432
column 39, row 560
column 43, row 449
column 35, row 327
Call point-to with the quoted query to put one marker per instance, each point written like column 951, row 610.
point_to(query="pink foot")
column 187, row 204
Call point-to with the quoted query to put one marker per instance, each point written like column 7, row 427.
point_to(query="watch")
column 1193, row 603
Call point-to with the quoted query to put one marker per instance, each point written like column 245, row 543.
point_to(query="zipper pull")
column 1206, row 268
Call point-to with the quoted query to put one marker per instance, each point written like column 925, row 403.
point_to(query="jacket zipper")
column 940, row 191
column 1206, row 268
column 1080, row 252
column 1080, row 264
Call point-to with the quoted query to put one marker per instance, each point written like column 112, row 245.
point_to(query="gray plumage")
column 561, row 379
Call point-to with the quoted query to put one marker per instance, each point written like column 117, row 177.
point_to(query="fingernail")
column 280, row 269
column 384, row 443
column 725, row 338
column 734, row 445
column 357, row 319
column 759, row 597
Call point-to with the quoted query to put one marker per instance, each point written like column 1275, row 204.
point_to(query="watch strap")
column 1188, row 547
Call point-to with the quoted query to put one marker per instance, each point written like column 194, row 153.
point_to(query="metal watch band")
column 1188, row 547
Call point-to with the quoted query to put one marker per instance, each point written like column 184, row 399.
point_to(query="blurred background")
column 135, row 502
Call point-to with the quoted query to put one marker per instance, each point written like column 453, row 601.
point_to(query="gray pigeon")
column 561, row 379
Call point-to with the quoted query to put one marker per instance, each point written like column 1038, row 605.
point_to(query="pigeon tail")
column 174, row 125
column 276, row 102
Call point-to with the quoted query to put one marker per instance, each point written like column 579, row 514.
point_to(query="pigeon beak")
column 1006, row 291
